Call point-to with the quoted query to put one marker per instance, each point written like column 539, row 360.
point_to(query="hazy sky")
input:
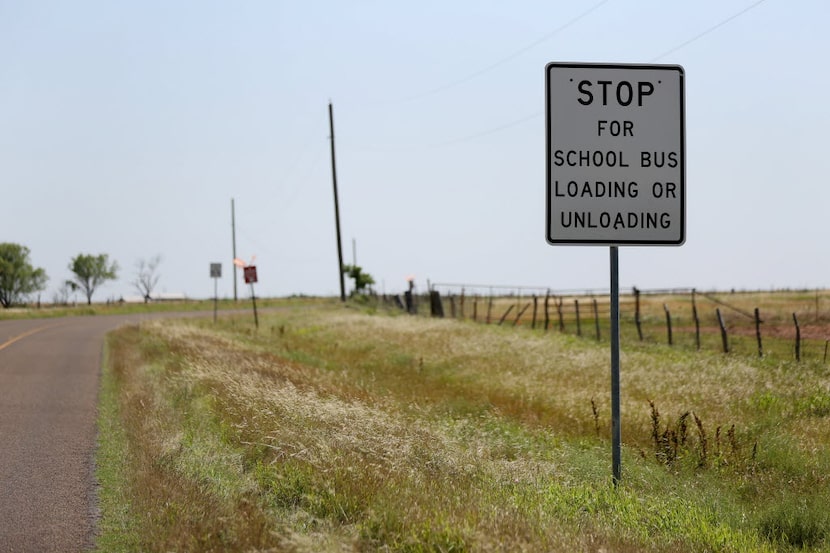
column 127, row 127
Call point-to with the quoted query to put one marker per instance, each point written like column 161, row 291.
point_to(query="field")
column 354, row 428
column 574, row 314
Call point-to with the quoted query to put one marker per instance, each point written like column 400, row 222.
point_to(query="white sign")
column 616, row 167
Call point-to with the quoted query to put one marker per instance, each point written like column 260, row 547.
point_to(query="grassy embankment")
column 334, row 429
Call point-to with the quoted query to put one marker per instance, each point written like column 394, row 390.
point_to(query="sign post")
column 216, row 274
column 616, row 171
column 250, row 278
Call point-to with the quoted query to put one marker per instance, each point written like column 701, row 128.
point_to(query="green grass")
column 116, row 530
column 97, row 308
column 344, row 429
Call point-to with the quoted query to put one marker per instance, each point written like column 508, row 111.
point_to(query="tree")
column 361, row 279
column 18, row 278
column 91, row 271
column 62, row 294
column 146, row 277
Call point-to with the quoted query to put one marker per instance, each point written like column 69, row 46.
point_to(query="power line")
column 509, row 57
column 666, row 53
column 489, row 131
column 709, row 30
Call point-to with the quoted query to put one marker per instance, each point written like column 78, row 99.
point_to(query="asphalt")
column 49, row 379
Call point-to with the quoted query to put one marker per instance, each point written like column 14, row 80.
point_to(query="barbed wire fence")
column 728, row 321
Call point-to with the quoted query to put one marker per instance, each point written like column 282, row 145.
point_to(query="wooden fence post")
column 826, row 343
column 637, row 313
column 559, row 301
column 462, row 304
column 489, row 307
column 723, row 336
column 578, row 324
column 535, row 307
column 797, row 338
column 758, row 332
column 522, row 312
column 452, row 306
column 436, row 308
column 697, row 320
column 596, row 318
column 509, row 309
column 547, row 313
column 668, row 322
column 475, row 308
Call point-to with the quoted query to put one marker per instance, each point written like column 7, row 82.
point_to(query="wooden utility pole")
column 336, row 209
column 233, row 239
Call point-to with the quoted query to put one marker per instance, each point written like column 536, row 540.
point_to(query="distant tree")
column 62, row 295
column 361, row 279
column 146, row 277
column 91, row 271
column 18, row 278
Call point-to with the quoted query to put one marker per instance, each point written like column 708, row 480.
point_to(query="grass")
column 737, row 308
column 114, row 308
column 335, row 429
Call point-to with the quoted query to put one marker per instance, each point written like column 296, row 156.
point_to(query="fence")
column 785, row 324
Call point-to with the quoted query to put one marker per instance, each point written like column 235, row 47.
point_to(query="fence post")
column 697, row 320
column 668, row 322
column 578, row 323
column 596, row 318
column 826, row 343
column 436, row 308
column 489, row 307
column 758, row 332
column 509, row 309
column 559, row 302
column 522, row 312
column 723, row 335
column 547, row 313
column 535, row 307
column 452, row 306
column 475, row 308
column 461, row 302
column 637, row 313
column 797, row 339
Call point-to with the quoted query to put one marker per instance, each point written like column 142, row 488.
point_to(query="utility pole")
column 233, row 239
column 336, row 209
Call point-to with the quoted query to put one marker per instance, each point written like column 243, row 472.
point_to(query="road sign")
column 215, row 270
column 616, row 167
column 250, row 274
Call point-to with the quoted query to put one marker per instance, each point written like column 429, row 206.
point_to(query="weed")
column 702, row 441
column 596, row 416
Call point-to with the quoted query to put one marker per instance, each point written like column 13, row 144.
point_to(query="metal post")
column 233, row 238
column 616, row 434
column 215, row 298
column 253, row 300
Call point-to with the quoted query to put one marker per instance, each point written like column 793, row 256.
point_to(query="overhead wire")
column 492, row 66
column 663, row 55
column 707, row 31
column 509, row 57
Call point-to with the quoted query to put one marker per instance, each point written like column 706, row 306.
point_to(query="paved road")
column 49, row 376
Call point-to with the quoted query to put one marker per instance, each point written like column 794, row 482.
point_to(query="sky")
column 127, row 128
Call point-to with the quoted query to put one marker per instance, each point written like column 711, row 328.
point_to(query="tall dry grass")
column 331, row 429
